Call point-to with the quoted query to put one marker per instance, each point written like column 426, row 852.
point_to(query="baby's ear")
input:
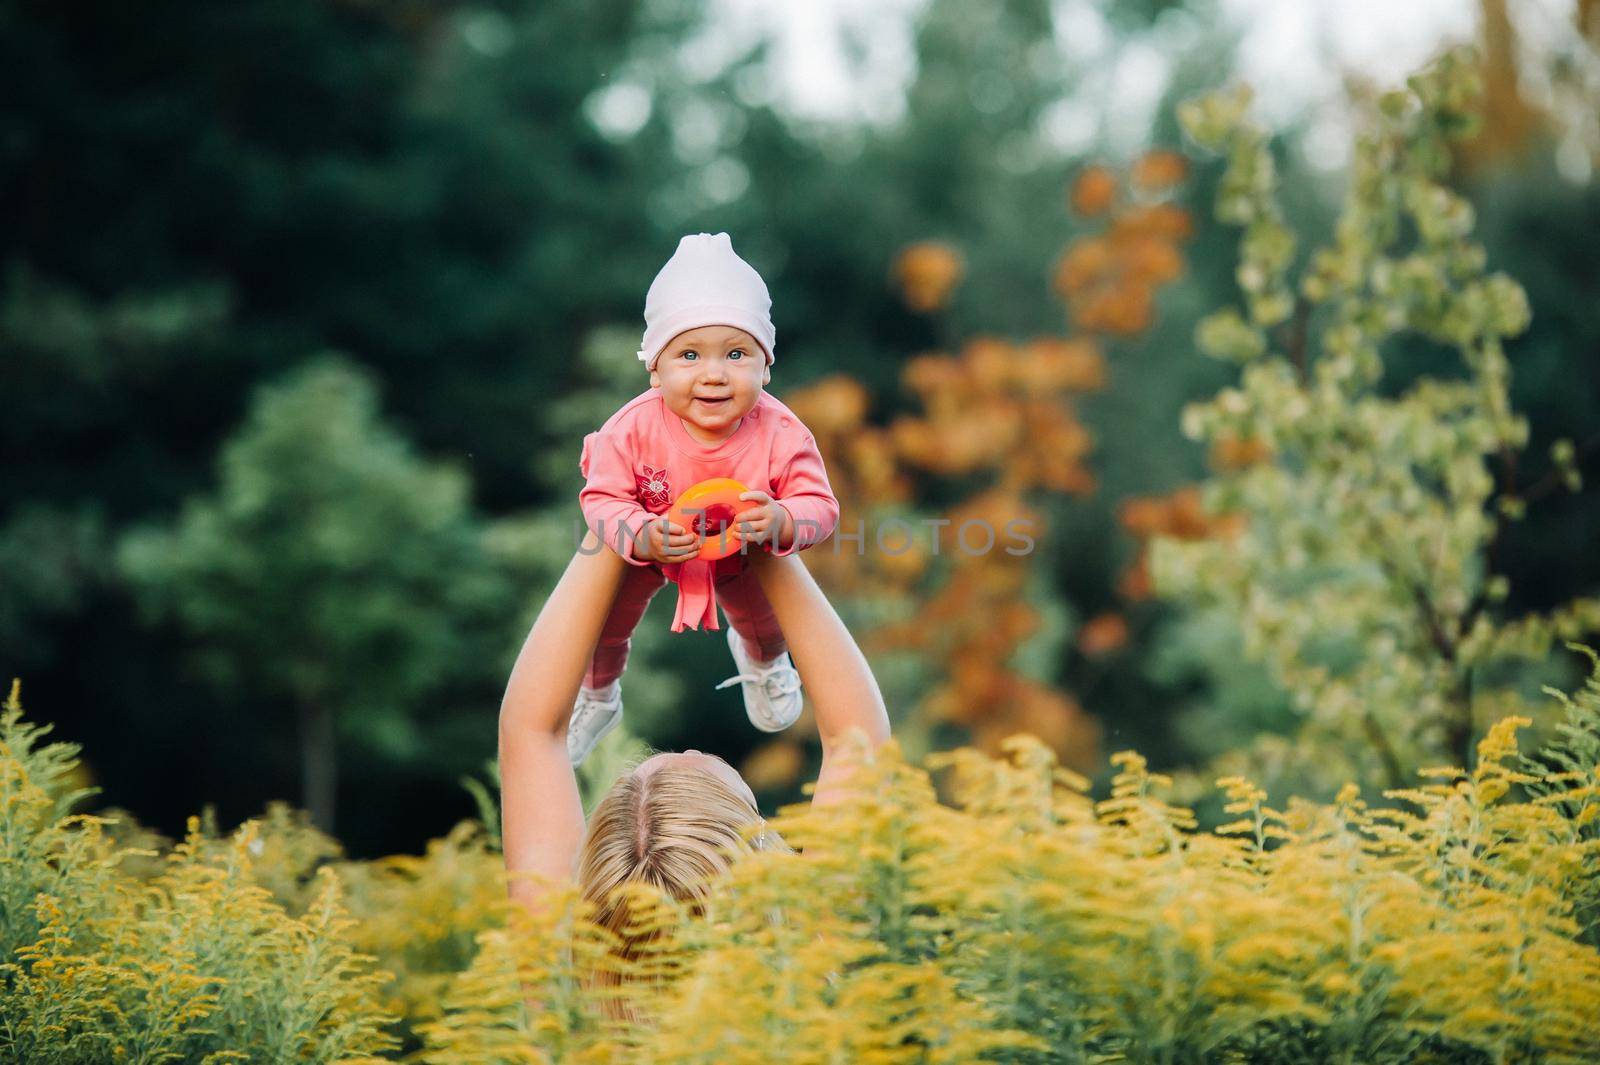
column 655, row 379
column 766, row 373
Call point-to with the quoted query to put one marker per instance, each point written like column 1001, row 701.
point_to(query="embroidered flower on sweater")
column 652, row 486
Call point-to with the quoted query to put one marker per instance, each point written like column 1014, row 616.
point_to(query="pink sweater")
column 642, row 459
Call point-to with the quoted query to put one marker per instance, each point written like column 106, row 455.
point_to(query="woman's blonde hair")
column 675, row 829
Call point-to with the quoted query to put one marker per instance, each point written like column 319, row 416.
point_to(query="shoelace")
column 780, row 680
column 586, row 709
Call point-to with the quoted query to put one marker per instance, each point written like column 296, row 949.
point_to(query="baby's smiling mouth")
column 713, row 400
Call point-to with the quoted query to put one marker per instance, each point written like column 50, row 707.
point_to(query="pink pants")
column 738, row 594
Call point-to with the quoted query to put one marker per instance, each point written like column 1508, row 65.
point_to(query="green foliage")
column 197, row 963
column 215, row 197
column 49, row 557
column 212, row 194
column 418, row 916
column 1363, row 577
column 332, row 569
column 54, row 343
column 1024, row 923
column 1031, row 924
column 1566, row 773
column 37, row 796
column 330, row 556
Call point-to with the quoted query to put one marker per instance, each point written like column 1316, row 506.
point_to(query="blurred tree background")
column 305, row 306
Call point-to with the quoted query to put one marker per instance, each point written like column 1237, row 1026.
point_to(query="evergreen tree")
column 332, row 569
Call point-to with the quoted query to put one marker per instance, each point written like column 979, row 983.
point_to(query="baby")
column 708, row 344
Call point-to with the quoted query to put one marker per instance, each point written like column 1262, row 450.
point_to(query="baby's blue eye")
column 735, row 351
column 688, row 355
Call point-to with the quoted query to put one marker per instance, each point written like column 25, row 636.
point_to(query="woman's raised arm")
column 844, row 693
column 541, row 814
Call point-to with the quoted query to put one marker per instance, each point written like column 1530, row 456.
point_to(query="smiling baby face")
column 710, row 377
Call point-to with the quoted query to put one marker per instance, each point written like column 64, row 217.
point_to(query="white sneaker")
column 772, row 698
column 596, row 712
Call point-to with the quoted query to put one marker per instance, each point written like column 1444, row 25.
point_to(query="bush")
column 1023, row 922
column 1363, row 514
column 1031, row 923
column 196, row 963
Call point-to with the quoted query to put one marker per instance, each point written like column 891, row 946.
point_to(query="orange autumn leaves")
column 1109, row 283
column 1154, row 173
column 972, row 627
column 926, row 272
column 995, row 418
column 998, row 411
column 1102, row 635
column 1000, row 406
column 1181, row 516
column 1109, row 280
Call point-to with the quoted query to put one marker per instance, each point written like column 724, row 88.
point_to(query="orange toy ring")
column 710, row 509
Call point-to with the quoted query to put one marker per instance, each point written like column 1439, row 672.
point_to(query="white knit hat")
column 705, row 283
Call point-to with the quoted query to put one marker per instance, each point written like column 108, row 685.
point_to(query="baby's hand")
column 666, row 541
column 769, row 521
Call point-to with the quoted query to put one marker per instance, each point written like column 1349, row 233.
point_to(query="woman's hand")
column 769, row 521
